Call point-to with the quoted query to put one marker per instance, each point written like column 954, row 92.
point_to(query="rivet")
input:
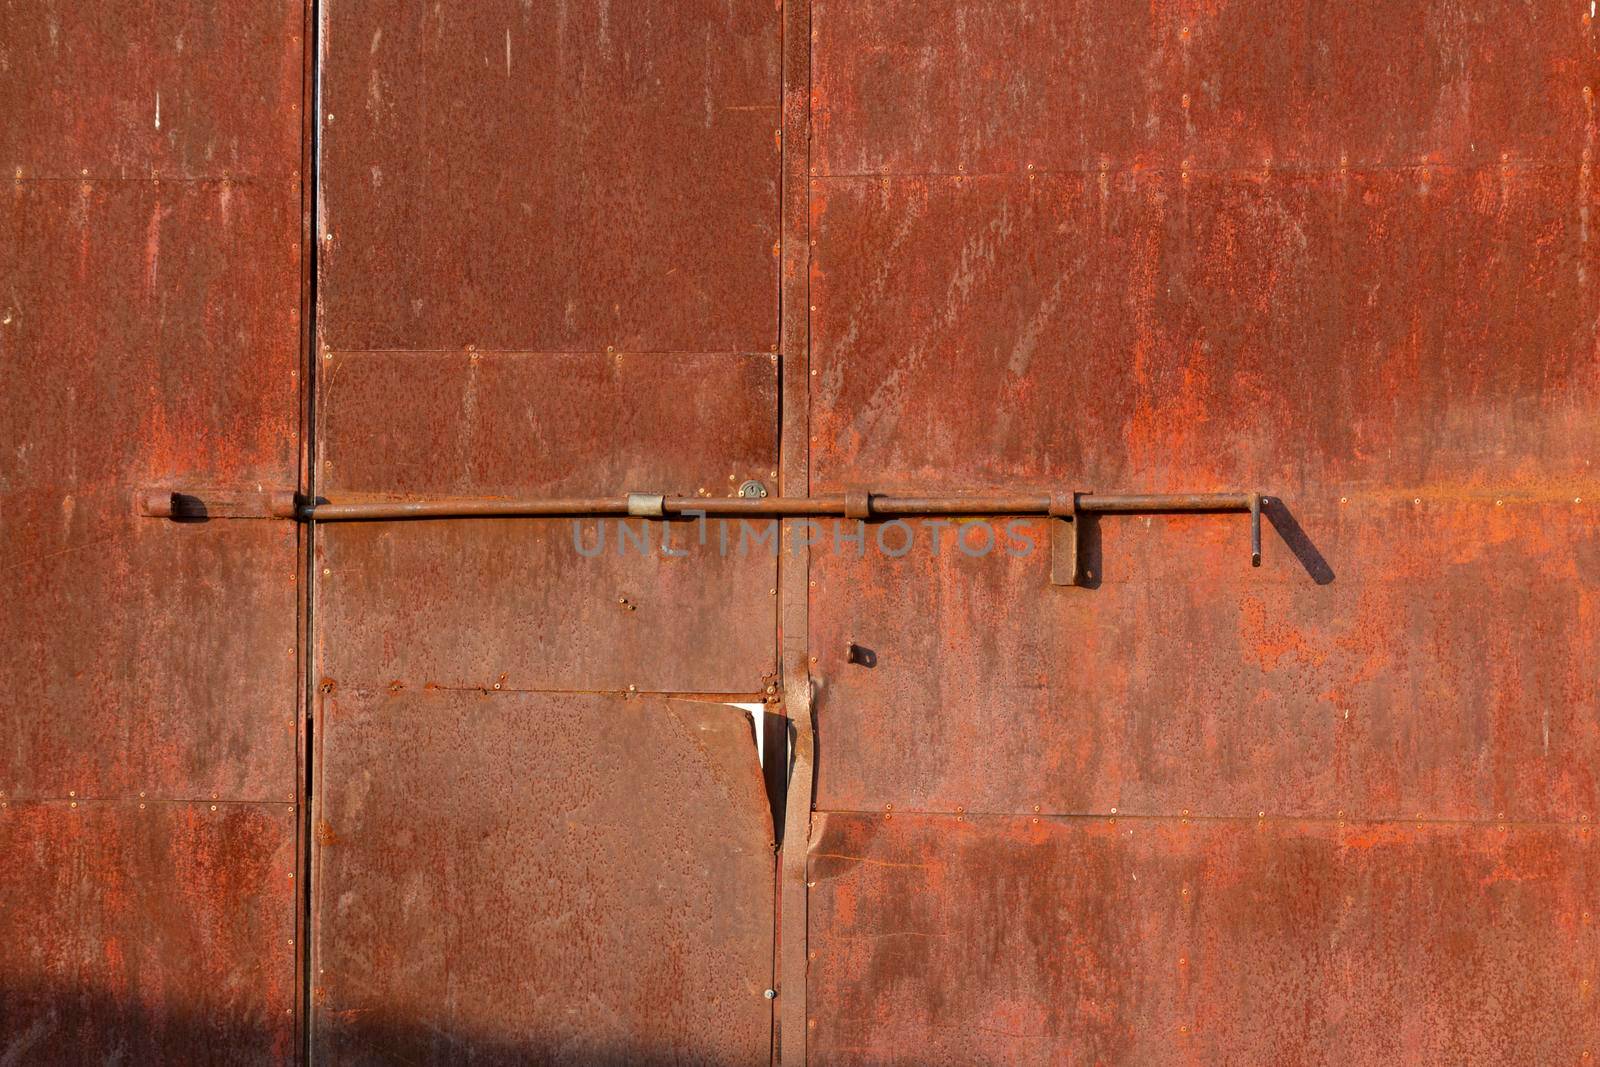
column 1577, row 500
column 773, row 473
column 772, row 592
column 813, row 954
column 1113, row 811
column 1036, row 809
column 1499, row 503
column 1417, row 500
column 1261, row 814
column 1344, row 500
column 213, row 807
column 141, row 807
column 633, row 689
column 770, row 994
column 74, row 803
column 326, row 572
column 72, row 792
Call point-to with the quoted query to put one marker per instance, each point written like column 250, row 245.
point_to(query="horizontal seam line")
column 1255, row 171
column 1175, row 817
column 253, row 179
column 738, row 353
column 382, row 689
column 120, row 798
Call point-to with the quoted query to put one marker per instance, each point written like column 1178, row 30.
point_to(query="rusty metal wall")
column 549, row 266
column 150, row 314
column 1337, row 809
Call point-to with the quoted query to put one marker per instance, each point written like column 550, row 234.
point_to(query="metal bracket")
column 1066, row 523
column 1064, row 532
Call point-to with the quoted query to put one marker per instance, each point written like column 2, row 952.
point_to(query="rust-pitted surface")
column 138, row 89
column 941, row 86
column 1447, row 668
column 1406, row 356
column 155, row 932
column 515, row 603
column 149, row 338
column 553, row 177
column 548, row 604
column 1339, row 254
column 150, row 295
column 561, row 879
column 993, row 940
column 1309, row 333
column 527, row 424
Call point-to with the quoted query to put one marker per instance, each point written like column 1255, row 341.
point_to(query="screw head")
column 771, row 994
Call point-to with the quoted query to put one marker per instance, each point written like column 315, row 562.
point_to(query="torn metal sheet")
column 563, row 879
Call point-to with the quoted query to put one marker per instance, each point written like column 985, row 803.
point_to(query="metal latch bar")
column 1064, row 509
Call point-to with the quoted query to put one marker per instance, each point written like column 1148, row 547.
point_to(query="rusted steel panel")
column 982, row 86
column 1407, row 357
column 484, row 603
column 561, row 879
column 134, row 89
column 989, row 940
column 533, row 604
column 551, row 177
column 528, row 424
column 152, row 330
column 152, row 933
column 1149, row 332
column 1451, row 674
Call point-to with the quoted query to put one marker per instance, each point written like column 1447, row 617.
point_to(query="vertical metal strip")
column 794, row 327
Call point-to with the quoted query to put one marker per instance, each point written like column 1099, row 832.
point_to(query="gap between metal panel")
column 311, row 191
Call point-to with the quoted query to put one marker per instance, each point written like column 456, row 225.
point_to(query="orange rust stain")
column 1272, row 641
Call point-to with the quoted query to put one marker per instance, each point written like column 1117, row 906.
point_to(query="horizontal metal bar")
column 772, row 507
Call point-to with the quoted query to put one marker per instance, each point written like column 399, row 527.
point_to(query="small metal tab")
column 753, row 490
column 647, row 505
column 1064, row 530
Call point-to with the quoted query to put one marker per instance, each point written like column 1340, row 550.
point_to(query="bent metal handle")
column 1063, row 509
